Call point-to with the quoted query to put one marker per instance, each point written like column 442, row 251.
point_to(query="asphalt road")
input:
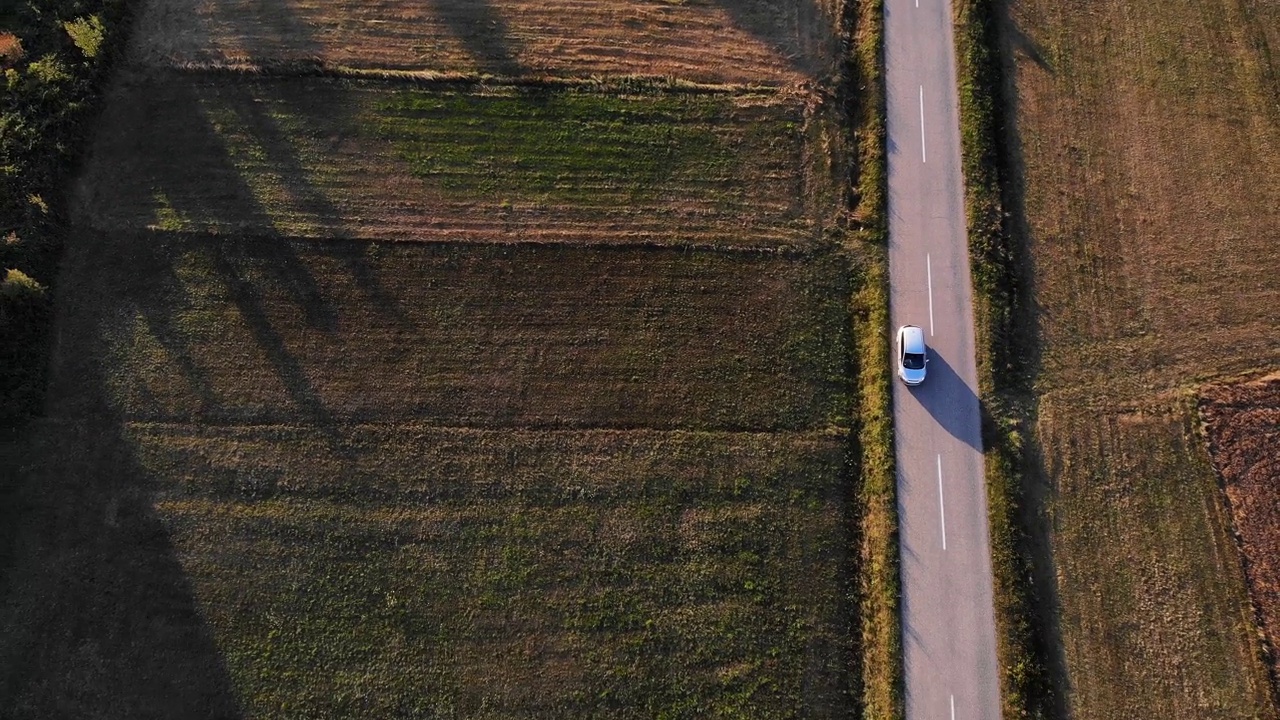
column 948, row 626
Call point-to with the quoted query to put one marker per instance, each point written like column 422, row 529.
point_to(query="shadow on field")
column 807, row 38
column 270, row 258
column 484, row 33
column 98, row 618
column 220, row 198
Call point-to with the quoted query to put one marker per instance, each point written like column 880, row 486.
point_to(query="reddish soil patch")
column 1243, row 423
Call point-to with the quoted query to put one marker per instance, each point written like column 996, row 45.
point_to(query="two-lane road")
column 948, row 625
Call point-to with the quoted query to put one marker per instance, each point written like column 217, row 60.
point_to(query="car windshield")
column 913, row 361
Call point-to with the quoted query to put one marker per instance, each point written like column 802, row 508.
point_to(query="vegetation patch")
column 757, row 42
column 334, row 158
column 1242, row 422
column 878, row 677
column 1026, row 688
column 53, row 56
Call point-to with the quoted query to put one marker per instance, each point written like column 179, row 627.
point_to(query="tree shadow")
column 809, row 39
column 249, row 259
column 483, row 32
column 1019, row 43
column 1018, row 364
column 98, row 616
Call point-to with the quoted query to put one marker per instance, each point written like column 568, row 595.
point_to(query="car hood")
column 913, row 376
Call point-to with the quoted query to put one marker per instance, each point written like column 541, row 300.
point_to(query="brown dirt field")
column 1149, row 139
column 225, row 330
column 768, row 42
column 1242, row 422
column 322, row 158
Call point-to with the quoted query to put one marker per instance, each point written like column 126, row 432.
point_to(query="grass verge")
column 879, row 679
column 1026, row 691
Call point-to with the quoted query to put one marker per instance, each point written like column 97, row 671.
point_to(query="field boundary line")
column 817, row 249
column 833, row 432
column 543, row 427
column 427, row 79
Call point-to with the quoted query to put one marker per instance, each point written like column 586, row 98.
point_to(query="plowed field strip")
column 338, row 158
column 380, row 464
column 744, row 41
column 231, row 330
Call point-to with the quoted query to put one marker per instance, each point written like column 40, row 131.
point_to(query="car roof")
column 912, row 339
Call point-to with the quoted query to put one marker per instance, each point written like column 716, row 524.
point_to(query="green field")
column 461, row 480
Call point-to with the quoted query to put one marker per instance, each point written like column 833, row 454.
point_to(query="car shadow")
column 950, row 401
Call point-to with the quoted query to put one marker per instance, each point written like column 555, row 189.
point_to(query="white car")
column 912, row 355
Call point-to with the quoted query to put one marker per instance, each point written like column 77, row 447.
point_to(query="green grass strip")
column 879, row 679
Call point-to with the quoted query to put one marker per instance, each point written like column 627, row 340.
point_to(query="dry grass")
column 767, row 42
column 1151, row 241
column 332, row 158
column 268, row 330
column 1163, row 627
column 1150, row 137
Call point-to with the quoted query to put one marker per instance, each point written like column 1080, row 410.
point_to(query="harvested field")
column 225, row 330
column 770, row 42
column 194, row 571
column 1243, row 424
column 345, row 159
column 1168, row 613
column 1149, row 135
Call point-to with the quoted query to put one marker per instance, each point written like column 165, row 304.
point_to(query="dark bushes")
column 54, row 58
